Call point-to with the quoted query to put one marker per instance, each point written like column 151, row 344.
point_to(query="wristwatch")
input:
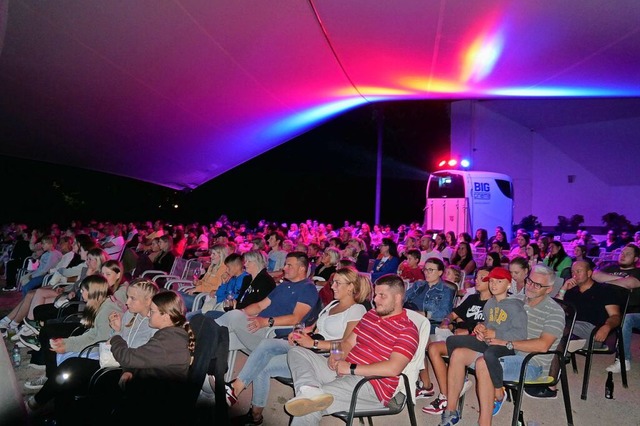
column 315, row 345
column 353, row 369
column 271, row 321
column 509, row 345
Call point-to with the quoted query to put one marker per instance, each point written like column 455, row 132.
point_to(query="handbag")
column 106, row 357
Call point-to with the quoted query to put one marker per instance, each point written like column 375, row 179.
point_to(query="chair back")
column 179, row 266
column 417, row 362
column 191, row 268
column 563, row 344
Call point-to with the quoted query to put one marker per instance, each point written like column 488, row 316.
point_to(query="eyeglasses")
column 537, row 286
column 430, row 270
column 336, row 282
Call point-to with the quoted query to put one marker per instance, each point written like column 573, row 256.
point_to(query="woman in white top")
column 336, row 320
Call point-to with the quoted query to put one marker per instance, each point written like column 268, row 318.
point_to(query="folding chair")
column 613, row 341
column 177, row 271
column 406, row 388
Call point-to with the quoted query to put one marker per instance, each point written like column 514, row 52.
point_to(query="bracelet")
column 562, row 290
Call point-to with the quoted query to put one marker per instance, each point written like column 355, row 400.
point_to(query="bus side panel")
column 447, row 214
column 489, row 206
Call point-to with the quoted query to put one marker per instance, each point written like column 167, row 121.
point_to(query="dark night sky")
column 326, row 174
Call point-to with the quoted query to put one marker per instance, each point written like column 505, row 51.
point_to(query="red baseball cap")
column 498, row 273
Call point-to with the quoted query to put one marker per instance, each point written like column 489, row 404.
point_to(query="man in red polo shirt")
column 382, row 344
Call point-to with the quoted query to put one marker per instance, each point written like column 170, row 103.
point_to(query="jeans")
column 33, row 284
column 267, row 361
column 631, row 321
column 511, row 368
column 236, row 322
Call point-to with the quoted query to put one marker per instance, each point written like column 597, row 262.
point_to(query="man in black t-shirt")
column 595, row 303
column 625, row 274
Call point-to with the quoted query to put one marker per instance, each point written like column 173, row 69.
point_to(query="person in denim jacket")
column 432, row 295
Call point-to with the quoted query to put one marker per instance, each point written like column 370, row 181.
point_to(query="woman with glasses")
column 335, row 321
column 431, row 296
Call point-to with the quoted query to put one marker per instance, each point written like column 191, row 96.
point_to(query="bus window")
column 505, row 187
column 446, row 186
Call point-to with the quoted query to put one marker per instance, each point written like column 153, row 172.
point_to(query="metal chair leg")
column 574, row 363
column 587, row 373
column 565, row 394
column 622, row 358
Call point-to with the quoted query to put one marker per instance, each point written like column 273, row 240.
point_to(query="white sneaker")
column 467, row 385
column 25, row 331
column 310, row 400
column 615, row 367
column 36, row 384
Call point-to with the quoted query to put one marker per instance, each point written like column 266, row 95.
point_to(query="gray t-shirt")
column 546, row 317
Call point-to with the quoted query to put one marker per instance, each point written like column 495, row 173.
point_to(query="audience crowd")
column 489, row 301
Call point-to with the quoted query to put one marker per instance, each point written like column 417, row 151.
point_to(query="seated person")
column 432, row 296
column 410, row 270
column 505, row 319
column 49, row 259
column 462, row 320
column 95, row 321
column 133, row 326
column 544, row 328
column 327, row 266
column 595, row 303
column 216, row 274
column 157, row 371
column 288, row 304
column 164, row 260
column 382, row 344
column 463, row 258
column 336, row 321
column 388, row 260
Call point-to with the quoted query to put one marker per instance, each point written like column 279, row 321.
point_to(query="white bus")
column 463, row 201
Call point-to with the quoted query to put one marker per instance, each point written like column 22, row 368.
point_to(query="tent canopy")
column 178, row 92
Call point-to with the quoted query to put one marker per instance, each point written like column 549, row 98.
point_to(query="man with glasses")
column 545, row 325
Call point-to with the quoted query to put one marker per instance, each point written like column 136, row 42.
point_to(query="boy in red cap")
column 505, row 319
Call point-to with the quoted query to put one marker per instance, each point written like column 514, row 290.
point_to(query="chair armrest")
column 354, row 397
column 148, row 272
column 164, row 276
column 198, row 302
column 169, row 285
column 86, row 351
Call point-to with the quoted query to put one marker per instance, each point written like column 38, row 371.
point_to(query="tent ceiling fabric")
column 178, row 92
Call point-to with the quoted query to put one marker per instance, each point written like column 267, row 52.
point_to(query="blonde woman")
column 216, row 274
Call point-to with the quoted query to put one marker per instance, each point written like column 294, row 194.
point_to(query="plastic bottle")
column 608, row 386
column 16, row 358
